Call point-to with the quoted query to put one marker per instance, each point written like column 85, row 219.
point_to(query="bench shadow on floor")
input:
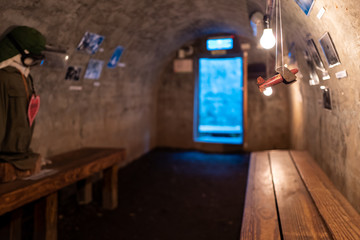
column 166, row 194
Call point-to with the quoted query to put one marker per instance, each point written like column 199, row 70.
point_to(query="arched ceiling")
column 151, row 27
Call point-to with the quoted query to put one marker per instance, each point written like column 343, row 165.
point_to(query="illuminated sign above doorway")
column 214, row 44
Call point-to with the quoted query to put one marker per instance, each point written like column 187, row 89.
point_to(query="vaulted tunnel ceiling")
column 150, row 27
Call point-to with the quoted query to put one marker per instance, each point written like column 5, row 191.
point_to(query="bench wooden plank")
column 298, row 215
column 109, row 189
column 84, row 191
column 341, row 218
column 71, row 167
column 15, row 224
column 45, row 218
column 260, row 217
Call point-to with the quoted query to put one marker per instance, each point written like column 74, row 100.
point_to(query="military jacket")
column 15, row 130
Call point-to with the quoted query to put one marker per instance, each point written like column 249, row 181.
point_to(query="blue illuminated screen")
column 220, row 100
column 219, row 44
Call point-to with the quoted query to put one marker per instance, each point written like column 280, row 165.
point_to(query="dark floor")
column 165, row 195
column 168, row 195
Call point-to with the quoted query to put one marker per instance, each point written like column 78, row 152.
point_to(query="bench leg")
column 110, row 188
column 15, row 224
column 84, row 191
column 45, row 218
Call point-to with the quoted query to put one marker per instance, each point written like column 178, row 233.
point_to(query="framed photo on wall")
column 305, row 5
column 313, row 77
column 314, row 53
column 326, row 98
column 329, row 50
column 94, row 69
column 73, row 73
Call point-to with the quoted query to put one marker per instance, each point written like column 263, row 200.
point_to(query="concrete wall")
column 332, row 136
column 123, row 111
column 119, row 113
column 268, row 117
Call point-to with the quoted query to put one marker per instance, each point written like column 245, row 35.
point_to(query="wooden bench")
column 73, row 167
column 288, row 196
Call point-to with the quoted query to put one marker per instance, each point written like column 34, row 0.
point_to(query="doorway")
column 219, row 97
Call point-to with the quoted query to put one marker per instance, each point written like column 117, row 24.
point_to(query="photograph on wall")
column 305, row 5
column 115, row 57
column 73, row 73
column 329, row 50
column 55, row 59
column 326, row 98
column 90, row 43
column 94, row 68
column 314, row 54
column 313, row 77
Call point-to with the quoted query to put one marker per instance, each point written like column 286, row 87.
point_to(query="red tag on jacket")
column 33, row 108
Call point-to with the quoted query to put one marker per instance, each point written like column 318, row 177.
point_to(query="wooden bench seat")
column 66, row 169
column 288, row 196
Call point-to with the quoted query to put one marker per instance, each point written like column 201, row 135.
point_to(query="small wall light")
column 268, row 91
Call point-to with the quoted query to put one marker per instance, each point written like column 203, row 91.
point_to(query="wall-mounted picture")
column 326, row 98
column 90, row 43
column 305, row 5
column 73, row 73
column 329, row 50
column 55, row 59
column 314, row 54
column 94, row 68
column 313, row 77
column 115, row 57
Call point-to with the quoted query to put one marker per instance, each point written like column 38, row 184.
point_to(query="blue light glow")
column 220, row 100
column 219, row 44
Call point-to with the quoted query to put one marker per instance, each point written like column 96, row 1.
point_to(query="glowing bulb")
column 322, row 87
column 267, row 40
column 268, row 91
column 66, row 57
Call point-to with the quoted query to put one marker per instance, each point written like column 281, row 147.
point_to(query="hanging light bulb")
column 268, row 91
column 267, row 40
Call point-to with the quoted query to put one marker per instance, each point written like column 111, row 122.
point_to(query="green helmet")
column 26, row 37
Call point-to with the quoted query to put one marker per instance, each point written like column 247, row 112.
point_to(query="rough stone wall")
column 331, row 136
column 119, row 113
column 268, row 117
column 122, row 111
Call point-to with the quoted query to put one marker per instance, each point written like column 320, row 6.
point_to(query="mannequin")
column 19, row 49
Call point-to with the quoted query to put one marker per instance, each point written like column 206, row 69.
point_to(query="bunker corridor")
column 138, row 87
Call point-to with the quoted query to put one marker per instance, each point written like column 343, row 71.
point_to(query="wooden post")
column 45, row 218
column 245, row 103
column 84, row 191
column 15, row 224
column 110, row 180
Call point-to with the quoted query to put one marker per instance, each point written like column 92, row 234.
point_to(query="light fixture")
column 268, row 91
column 267, row 40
